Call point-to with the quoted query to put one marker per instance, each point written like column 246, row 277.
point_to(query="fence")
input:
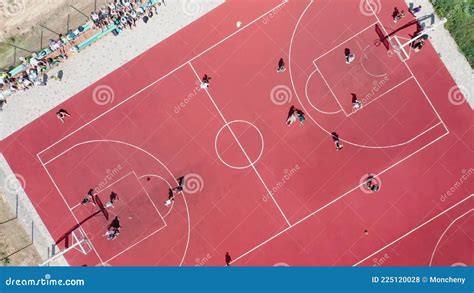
column 23, row 37
column 23, row 213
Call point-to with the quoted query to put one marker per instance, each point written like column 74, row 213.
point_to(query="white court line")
column 149, row 197
column 74, row 207
column 164, row 76
column 426, row 96
column 409, row 69
column 348, row 192
column 227, row 125
column 108, row 186
column 241, row 147
column 136, row 243
column 167, row 183
column 347, row 40
column 309, row 100
column 329, row 87
column 337, row 199
column 414, row 229
column 383, row 94
column 70, row 211
column 446, row 230
column 153, row 233
column 147, row 153
column 302, row 104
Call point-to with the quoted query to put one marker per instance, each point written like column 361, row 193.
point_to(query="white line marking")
column 74, row 207
column 164, row 76
column 312, row 119
column 227, row 125
column 135, row 244
column 329, row 87
column 347, row 40
column 383, row 94
column 348, row 192
column 108, row 186
column 446, row 230
column 149, row 197
column 167, row 183
column 149, row 154
column 414, row 229
column 409, row 69
column 426, row 96
column 241, row 147
column 73, row 215
column 335, row 200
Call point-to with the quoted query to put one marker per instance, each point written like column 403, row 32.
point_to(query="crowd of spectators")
column 121, row 14
column 124, row 13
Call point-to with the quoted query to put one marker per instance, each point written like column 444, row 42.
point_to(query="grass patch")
column 460, row 15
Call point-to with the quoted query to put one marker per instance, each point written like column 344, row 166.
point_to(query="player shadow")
column 384, row 38
column 420, row 24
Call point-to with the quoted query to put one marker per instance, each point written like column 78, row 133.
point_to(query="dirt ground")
column 29, row 24
column 16, row 248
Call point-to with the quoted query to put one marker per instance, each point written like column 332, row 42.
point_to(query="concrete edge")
column 97, row 61
column 28, row 217
column 448, row 51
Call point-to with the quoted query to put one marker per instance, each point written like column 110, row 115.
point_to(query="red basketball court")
column 266, row 193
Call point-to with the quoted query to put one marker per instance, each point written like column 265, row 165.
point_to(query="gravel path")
column 99, row 60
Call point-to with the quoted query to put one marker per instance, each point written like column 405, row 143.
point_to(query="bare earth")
column 29, row 24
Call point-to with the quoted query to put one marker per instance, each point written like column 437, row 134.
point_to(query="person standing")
column 170, row 199
column 89, row 197
column 356, row 104
column 349, row 56
column 415, row 10
column 281, row 66
column 205, row 81
column 335, row 138
column 228, row 259
column 62, row 114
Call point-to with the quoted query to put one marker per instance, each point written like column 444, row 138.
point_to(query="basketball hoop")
column 79, row 241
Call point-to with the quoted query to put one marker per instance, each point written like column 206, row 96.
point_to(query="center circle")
column 220, row 137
